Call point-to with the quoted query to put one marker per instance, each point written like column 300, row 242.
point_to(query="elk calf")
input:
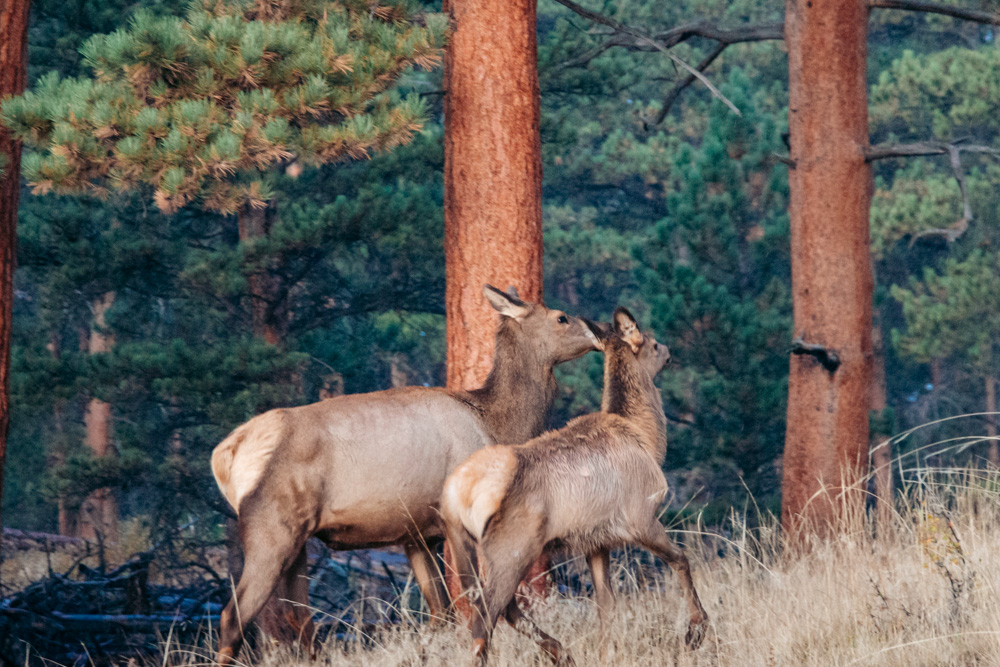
column 366, row 470
column 591, row 486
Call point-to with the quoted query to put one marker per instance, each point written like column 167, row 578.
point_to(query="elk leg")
column 505, row 556
column 604, row 595
column 656, row 540
column 521, row 622
column 269, row 550
column 300, row 614
column 462, row 565
column 428, row 578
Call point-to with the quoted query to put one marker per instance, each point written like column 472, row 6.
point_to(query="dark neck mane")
column 630, row 393
column 518, row 393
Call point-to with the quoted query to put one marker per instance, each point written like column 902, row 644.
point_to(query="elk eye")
column 562, row 319
column 656, row 347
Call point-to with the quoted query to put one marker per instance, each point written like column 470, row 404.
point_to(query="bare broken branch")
column 675, row 92
column 829, row 358
column 647, row 39
column 883, row 151
column 974, row 15
column 955, row 231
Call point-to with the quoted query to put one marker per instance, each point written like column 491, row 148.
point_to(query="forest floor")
column 925, row 591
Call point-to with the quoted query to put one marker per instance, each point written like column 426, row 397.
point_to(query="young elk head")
column 653, row 355
column 557, row 337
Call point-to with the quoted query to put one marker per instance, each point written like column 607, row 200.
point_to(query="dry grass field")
column 923, row 590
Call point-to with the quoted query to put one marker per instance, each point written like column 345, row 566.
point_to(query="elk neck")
column 630, row 393
column 518, row 393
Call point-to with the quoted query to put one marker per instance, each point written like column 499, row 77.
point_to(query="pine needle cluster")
column 203, row 107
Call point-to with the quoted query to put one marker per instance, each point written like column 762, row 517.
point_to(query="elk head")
column 557, row 337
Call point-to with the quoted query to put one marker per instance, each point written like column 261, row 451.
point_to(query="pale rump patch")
column 239, row 461
column 473, row 492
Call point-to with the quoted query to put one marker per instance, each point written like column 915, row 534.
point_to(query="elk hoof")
column 224, row 656
column 696, row 632
column 564, row 659
column 557, row 653
column 479, row 650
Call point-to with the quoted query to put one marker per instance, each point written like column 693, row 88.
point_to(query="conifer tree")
column 207, row 108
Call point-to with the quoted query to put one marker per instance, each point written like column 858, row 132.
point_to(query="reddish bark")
column 268, row 312
column 826, row 446
column 99, row 512
column 13, row 74
column 492, row 173
column 492, row 178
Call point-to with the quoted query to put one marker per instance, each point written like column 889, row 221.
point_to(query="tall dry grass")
column 920, row 590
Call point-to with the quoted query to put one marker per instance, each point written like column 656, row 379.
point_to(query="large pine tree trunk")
column 492, row 180
column 13, row 73
column 492, row 173
column 99, row 513
column 826, row 445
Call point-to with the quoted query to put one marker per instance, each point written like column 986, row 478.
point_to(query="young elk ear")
column 506, row 304
column 598, row 331
column 625, row 326
column 512, row 291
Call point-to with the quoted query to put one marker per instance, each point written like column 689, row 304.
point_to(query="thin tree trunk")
column 99, row 513
column 268, row 312
column 492, row 172
column 67, row 516
column 826, row 445
column 13, row 73
column 991, row 424
column 880, row 444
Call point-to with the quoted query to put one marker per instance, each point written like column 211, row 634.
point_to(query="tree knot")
column 829, row 358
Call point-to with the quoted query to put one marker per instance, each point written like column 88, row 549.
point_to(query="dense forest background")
column 679, row 215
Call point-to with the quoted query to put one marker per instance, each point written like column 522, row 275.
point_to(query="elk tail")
column 474, row 493
column 238, row 462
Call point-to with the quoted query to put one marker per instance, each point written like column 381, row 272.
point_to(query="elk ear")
column 625, row 326
column 598, row 332
column 512, row 291
column 505, row 304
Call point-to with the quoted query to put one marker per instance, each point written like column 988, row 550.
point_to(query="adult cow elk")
column 591, row 486
column 367, row 470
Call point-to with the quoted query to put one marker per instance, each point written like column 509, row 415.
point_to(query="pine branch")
column 642, row 37
column 974, row 15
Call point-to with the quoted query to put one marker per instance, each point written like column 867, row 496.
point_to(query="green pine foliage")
column 954, row 312
column 201, row 108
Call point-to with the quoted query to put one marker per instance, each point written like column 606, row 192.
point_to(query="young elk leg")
column 604, row 596
column 656, row 540
column 270, row 550
column 428, row 578
column 506, row 554
column 523, row 624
